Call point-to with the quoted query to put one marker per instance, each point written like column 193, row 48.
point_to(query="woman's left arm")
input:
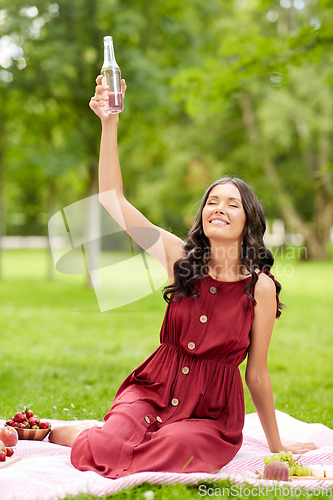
column 257, row 376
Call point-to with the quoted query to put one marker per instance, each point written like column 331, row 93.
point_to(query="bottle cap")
column 108, row 39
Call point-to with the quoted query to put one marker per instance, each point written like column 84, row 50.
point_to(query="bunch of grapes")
column 295, row 468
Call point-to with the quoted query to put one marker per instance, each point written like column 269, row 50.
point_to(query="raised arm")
column 257, row 376
column 111, row 193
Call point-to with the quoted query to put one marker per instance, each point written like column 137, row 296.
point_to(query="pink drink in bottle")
column 112, row 78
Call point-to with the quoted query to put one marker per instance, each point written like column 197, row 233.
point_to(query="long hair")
column 191, row 268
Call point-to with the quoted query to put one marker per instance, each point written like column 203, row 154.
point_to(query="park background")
column 214, row 88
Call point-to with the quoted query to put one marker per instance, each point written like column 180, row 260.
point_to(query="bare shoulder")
column 265, row 287
column 265, row 297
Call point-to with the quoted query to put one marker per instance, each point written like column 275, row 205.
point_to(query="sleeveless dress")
column 181, row 410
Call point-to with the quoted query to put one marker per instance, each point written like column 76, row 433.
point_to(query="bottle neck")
column 109, row 57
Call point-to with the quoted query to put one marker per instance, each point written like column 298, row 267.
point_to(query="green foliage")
column 188, row 65
column 278, row 81
column 58, row 132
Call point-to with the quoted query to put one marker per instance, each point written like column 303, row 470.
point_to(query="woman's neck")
column 225, row 262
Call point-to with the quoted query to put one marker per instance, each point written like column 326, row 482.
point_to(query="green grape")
column 292, row 470
column 298, row 469
column 295, row 468
column 305, row 471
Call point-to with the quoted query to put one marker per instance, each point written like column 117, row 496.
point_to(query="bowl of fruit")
column 29, row 426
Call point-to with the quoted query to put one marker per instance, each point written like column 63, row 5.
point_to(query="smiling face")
column 223, row 216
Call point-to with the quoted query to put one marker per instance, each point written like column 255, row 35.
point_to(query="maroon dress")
column 182, row 410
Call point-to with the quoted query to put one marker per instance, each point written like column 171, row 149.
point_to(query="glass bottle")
column 112, row 78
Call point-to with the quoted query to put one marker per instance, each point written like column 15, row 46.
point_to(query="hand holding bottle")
column 112, row 77
column 110, row 89
column 101, row 97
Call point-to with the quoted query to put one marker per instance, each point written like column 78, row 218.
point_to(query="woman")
column 182, row 410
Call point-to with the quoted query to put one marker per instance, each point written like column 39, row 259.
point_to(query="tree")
column 227, row 60
column 62, row 46
column 258, row 74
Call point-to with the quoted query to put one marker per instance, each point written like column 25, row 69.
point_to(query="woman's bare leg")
column 66, row 434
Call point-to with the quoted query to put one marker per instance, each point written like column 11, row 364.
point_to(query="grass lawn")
column 65, row 359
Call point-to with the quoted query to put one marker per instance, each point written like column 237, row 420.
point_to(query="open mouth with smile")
column 218, row 221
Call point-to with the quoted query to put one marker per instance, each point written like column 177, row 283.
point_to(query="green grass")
column 65, row 359
column 206, row 490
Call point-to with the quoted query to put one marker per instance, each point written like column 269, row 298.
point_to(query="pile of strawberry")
column 27, row 420
column 5, row 452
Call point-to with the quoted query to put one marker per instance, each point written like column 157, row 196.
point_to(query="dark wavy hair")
column 191, row 268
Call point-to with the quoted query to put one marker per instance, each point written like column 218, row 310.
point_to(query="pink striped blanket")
column 45, row 472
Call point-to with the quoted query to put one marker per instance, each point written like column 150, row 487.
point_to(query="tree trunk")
column 93, row 223
column 324, row 192
column 52, row 210
column 322, row 220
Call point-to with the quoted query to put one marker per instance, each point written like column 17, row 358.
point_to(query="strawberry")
column 28, row 413
column 2, row 447
column 15, row 424
column 9, row 452
column 34, row 421
column 19, row 417
column 2, row 456
column 44, row 425
column 22, row 426
column 10, row 422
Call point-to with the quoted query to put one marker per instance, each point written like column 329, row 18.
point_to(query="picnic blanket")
column 45, row 472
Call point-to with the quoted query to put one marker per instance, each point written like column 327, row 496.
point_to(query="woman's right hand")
column 97, row 102
column 300, row 448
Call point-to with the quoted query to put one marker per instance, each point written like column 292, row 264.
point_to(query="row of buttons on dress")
column 191, row 346
column 203, row 319
column 185, row 371
column 147, row 419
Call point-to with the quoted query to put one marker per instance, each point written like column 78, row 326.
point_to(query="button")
column 174, row 402
column 185, row 370
column 213, row 290
column 191, row 345
column 147, row 419
column 159, row 419
column 203, row 318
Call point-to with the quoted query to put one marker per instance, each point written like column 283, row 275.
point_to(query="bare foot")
column 65, row 435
